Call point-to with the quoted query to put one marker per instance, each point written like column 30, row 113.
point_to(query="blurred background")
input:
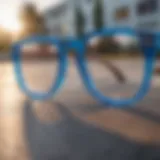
column 79, row 126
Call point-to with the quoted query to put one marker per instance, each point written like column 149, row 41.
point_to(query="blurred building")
column 120, row 13
column 133, row 13
column 117, row 13
column 87, row 9
column 59, row 19
column 55, row 18
column 148, row 12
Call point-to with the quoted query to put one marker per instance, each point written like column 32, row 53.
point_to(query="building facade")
column 133, row 13
column 60, row 20
column 117, row 13
column 57, row 18
column 147, row 12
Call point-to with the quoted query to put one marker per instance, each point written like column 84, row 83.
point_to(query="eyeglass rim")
column 78, row 45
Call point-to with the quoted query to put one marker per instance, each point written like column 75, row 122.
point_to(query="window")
column 147, row 6
column 122, row 13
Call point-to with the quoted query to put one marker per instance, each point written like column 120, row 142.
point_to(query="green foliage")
column 79, row 22
column 98, row 14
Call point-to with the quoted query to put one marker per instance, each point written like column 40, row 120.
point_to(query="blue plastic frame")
column 79, row 46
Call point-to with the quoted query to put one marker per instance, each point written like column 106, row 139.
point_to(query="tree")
column 98, row 14
column 79, row 22
column 32, row 21
column 5, row 40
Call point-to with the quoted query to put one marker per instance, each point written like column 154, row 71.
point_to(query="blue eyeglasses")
column 115, row 65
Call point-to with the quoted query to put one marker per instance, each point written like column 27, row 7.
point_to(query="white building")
column 60, row 20
column 148, row 12
column 117, row 13
column 133, row 13
column 56, row 19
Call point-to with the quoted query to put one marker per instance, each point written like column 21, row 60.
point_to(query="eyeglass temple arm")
column 157, row 68
column 120, row 77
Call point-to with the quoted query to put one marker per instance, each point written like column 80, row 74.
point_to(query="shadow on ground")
column 71, row 139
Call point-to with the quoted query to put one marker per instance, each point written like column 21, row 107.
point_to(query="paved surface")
column 74, row 125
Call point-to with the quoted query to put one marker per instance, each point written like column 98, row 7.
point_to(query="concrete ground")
column 73, row 125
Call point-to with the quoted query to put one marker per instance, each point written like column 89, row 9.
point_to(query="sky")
column 9, row 10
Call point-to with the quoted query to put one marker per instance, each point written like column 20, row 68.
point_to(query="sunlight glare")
column 10, row 23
